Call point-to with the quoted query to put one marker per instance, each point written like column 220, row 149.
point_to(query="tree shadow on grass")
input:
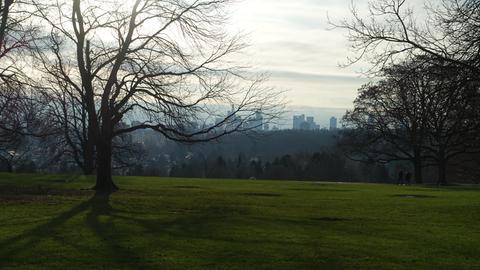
column 114, row 243
column 96, row 206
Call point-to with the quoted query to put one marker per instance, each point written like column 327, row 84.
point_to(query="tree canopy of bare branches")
column 165, row 64
column 17, row 118
column 418, row 112
column 390, row 31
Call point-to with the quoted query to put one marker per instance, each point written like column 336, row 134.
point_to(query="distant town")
column 300, row 122
column 257, row 122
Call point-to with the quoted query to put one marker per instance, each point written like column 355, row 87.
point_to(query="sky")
column 292, row 42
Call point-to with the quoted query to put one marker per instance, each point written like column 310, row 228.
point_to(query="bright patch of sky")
column 291, row 41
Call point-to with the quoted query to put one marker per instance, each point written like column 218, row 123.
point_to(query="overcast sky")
column 291, row 41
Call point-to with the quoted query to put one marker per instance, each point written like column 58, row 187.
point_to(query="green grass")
column 48, row 222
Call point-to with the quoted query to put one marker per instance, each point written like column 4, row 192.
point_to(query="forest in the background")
column 283, row 155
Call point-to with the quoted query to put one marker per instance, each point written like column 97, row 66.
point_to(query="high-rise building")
column 302, row 123
column 258, row 123
column 255, row 123
column 333, row 123
column 298, row 121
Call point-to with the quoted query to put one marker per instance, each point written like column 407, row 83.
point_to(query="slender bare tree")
column 166, row 64
column 16, row 104
column 390, row 30
column 16, row 36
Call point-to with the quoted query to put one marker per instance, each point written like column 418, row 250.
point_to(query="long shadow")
column 16, row 244
column 98, row 205
column 113, row 242
column 108, row 235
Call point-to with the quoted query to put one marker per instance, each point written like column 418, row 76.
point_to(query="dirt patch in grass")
column 35, row 193
column 330, row 219
column 262, row 194
column 414, row 196
column 187, row 187
column 227, row 210
column 321, row 190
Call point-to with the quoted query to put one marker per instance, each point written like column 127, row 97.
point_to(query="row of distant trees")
column 319, row 166
column 72, row 72
column 424, row 105
column 281, row 155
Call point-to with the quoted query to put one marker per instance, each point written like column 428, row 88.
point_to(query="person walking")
column 400, row 178
column 408, row 178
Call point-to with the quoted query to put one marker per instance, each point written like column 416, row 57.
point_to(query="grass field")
column 49, row 222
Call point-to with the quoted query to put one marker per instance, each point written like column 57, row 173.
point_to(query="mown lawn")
column 49, row 222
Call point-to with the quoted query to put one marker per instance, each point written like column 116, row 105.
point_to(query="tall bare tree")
column 420, row 112
column 16, row 36
column 70, row 117
column 453, row 116
column 389, row 121
column 390, row 30
column 163, row 63
column 16, row 104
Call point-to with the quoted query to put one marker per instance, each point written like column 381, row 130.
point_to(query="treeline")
column 320, row 166
column 282, row 155
column 264, row 145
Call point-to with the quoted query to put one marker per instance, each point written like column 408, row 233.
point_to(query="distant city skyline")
column 321, row 116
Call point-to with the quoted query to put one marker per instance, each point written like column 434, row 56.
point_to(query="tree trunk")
column 89, row 151
column 104, row 183
column 89, row 157
column 442, row 172
column 418, row 166
column 9, row 167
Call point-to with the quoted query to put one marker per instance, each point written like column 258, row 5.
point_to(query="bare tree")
column 421, row 112
column 390, row 31
column 389, row 121
column 10, row 124
column 17, row 34
column 453, row 116
column 17, row 118
column 163, row 63
column 70, row 117
column 22, row 117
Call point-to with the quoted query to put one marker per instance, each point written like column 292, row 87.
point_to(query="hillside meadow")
column 55, row 222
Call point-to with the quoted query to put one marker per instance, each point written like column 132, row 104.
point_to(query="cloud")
column 290, row 40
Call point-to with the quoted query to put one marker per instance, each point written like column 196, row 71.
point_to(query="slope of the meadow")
column 50, row 222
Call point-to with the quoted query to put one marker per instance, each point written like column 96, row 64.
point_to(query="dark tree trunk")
column 442, row 166
column 9, row 168
column 89, row 157
column 442, row 172
column 104, row 183
column 418, row 166
column 89, row 152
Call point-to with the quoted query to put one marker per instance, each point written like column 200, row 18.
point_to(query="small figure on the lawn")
column 408, row 178
column 400, row 178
